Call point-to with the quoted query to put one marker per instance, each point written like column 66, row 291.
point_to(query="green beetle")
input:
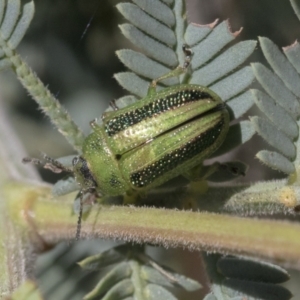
column 148, row 143
column 161, row 136
column 139, row 147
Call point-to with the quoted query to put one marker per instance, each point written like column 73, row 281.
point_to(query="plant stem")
column 51, row 220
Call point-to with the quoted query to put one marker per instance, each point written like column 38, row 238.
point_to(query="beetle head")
column 83, row 174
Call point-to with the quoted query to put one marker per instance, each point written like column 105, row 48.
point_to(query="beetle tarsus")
column 113, row 105
column 94, row 124
column 188, row 52
column 174, row 73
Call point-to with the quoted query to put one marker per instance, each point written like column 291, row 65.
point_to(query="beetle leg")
column 198, row 185
column 94, row 124
column 201, row 172
column 204, row 172
column 54, row 165
column 113, row 105
column 131, row 196
column 188, row 52
column 176, row 72
column 198, row 177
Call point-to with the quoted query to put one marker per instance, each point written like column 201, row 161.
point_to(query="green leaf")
column 144, row 66
column 281, row 65
column 292, row 52
column 275, row 87
column 158, row 10
column 153, row 48
column 223, row 64
column 110, row 280
column 22, row 25
column 195, row 33
column 240, row 80
column 274, row 137
column 109, row 257
column 276, row 161
column 240, row 278
column 240, row 105
column 253, row 270
column 121, row 290
column 145, row 275
column 172, row 279
column 65, row 186
column 14, row 25
column 11, row 16
column 259, row 290
column 147, row 24
column 212, row 44
column 156, row 292
column 276, row 114
column 133, row 83
column 126, row 100
column 280, row 105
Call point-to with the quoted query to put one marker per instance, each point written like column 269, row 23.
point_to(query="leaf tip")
column 287, row 48
column 209, row 25
column 234, row 33
column 213, row 24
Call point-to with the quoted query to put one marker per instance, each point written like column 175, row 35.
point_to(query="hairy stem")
column 47, row 102
column 51, row 220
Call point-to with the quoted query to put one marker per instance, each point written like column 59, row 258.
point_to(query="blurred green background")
column 71, row 45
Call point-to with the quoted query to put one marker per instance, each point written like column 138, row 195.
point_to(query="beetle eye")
column 75, row 160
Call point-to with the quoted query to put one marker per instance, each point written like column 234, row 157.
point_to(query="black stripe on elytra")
column 170, row 161
column 122, row 122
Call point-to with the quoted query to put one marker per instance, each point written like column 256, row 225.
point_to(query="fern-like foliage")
column 14, row 21
column 133, row 275
column 280, row 104
column 13, row 26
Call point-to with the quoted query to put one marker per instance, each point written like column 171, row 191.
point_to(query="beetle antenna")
column 79, row 216
column 52, row 164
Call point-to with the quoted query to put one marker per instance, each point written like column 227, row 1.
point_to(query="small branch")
column 47, row 102
column 52, row 221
